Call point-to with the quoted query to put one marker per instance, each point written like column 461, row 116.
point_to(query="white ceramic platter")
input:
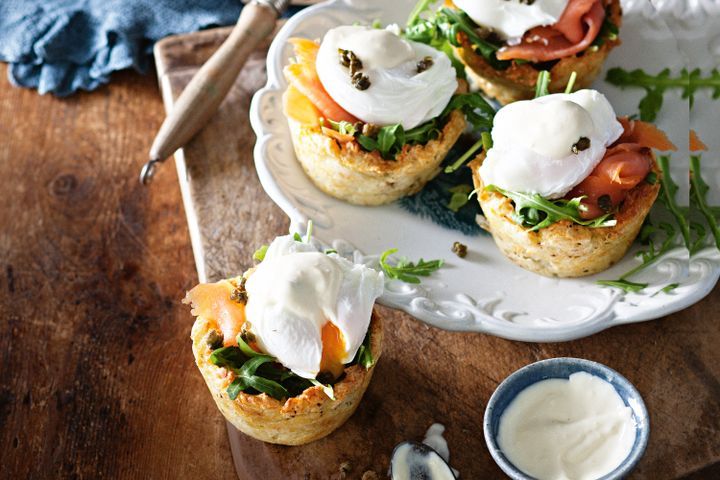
column 485, row 292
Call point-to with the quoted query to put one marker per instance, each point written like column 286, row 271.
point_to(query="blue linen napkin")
column 60, row 46
column 433, row 201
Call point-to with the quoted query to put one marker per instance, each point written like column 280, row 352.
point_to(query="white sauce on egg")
column 398, row 93
column 375, row 47
column 295, row 290
column 567, row 429
column 533, row 139
column 510, row 19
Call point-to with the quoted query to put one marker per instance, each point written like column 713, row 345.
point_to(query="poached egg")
column 309, row 309
column 398, row 93
column 510, row 19
column 533, row 142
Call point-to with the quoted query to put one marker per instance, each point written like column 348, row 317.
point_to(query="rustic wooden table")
column 96, row 374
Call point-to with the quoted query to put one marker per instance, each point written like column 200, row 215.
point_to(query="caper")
column 605, row 203
column 582, row 144
column 214, row 339
column 459, row 249
column 360, row 81
column 424, row 64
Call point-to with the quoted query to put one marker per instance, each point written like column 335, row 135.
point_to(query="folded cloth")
column 433, row 201
column 60, row 46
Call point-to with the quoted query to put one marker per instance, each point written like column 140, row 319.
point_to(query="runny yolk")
column 333, row 350
column 212, row 301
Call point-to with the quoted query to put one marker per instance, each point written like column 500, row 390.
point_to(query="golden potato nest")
column 294, row 421
column 346, row 171
column 565, row 249
column 517, row 82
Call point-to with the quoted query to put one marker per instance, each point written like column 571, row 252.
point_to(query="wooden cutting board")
column 425, row 375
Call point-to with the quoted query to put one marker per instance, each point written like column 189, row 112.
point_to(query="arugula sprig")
column 668, row 190
column 245, row 369
column 536, row 212
column 698, row 194
column 656, row 85
column 390, row 139
column 256, row 372
column 364, row 356
column 542, row 84
column 441, row 30
column 659, row 239
column 405, row 270
column 259, row 254
column 648, row 235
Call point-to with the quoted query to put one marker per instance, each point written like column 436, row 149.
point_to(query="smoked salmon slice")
column 212, row 301
column 303, row 76
column 695, row 143
column 576, row 29
column 644, row 133
column 624, row 166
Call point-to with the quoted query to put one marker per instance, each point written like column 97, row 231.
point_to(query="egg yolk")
column 333, row 350
column 212, row 301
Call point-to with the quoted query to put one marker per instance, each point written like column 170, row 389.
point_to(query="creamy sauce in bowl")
column 574, row 428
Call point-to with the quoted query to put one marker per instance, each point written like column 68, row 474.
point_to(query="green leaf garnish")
column 346, row 128
column 390, row 139
column 571, row 82
column 464, row 157
column 258, row 373
column 244, row 368
column 626, row 285
column 698, row 194
column 668, row 190
column 700, row 237
column 478, row 112
column 364, row 356
column 421, row 7
column 667, row 288
column 308, row 232
column 227, row 357
column 486, row 140
column 245, row 348
column 536, row 212
column 651, row 233
column 460, row 196
column 441, row 28
column 608, row 31
column 259, row 254
column 246, row 374
column 405, row 270
column 541, row 86
column 656, row 85
column 234, row 389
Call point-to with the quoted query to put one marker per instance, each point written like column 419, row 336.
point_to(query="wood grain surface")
column 97, row 379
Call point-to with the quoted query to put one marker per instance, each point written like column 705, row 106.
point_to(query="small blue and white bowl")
column 563, row 368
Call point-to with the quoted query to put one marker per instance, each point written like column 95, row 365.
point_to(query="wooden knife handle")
column 207, row 89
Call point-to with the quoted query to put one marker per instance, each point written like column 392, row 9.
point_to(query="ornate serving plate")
column 485, row 292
